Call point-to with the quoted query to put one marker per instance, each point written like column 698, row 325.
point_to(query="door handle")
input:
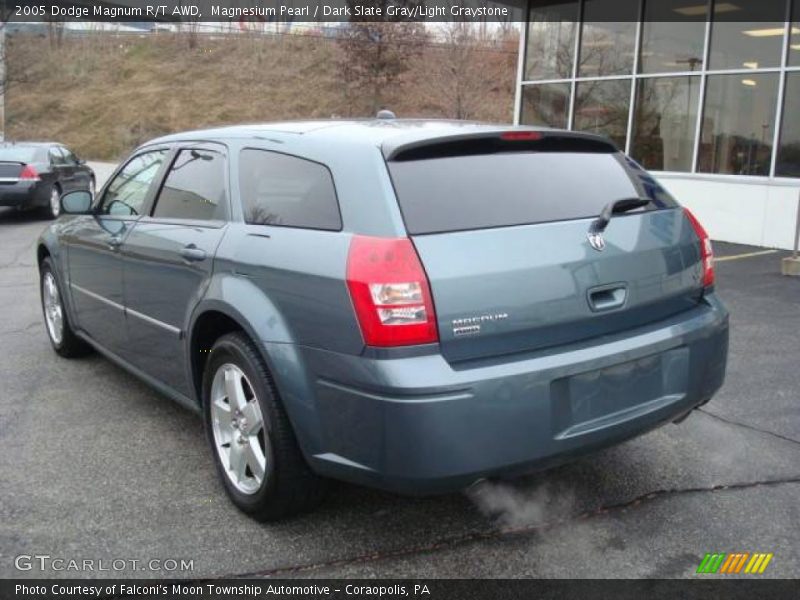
column 607, row 297
column 192, row 253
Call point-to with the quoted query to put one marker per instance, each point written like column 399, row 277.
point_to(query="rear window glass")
column 21, row 154
column 513, row 188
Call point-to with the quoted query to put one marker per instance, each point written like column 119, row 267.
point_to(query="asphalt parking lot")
column 95, row 465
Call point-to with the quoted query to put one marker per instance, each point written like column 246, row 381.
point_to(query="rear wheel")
column 53, row 208
column 59, row 329
column 254, row 447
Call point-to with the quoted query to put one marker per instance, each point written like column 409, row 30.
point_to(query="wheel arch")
column 251, row 313
column 42, row 252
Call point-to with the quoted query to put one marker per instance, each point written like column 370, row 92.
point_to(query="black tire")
column 289, row 487
column 70, row 345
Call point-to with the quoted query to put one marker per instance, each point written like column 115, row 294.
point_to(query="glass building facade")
column 677, row 84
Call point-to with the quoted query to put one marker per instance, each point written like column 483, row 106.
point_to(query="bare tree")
column 374, row 55
column 456, row 79
column 55, row 32
column 188, row 25
column 461, row 76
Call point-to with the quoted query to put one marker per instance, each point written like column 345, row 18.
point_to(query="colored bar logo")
column 734, row 563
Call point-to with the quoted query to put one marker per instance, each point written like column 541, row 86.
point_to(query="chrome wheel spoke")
column 252, row 415
column 221, row 416
column 225, row 434
column 237, row 462
column 234, row 389
column 255, row 458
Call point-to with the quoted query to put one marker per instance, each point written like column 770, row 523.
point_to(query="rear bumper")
column 25, row 194
column 419, row 425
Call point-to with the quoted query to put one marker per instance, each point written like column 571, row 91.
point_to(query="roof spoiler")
column 493, row 142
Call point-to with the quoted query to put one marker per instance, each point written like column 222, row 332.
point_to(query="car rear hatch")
column 501, row 221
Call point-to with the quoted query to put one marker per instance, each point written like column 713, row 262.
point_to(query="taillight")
column 390, row 292
column 706, row 251
column 28, row 173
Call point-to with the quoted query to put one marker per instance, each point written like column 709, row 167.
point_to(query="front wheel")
column 254, row 447
column 59, row 328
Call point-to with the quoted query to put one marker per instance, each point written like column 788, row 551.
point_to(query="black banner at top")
column 320, row 11
column 266, row 11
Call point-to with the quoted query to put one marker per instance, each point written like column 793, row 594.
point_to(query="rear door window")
column 455, row 193
column 194, row 187
column 278, row 189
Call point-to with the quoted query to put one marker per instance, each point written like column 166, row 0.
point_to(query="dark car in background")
column 412, row 305
column 34, row 175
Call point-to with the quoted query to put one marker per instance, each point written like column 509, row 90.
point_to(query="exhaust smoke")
column 512, row 506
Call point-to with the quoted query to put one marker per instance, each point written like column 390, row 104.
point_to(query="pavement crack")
column 747, row 426
column 24, row 329
column 447, row 543
column 16, row 258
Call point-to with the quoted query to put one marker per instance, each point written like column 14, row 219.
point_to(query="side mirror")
column 80, row 161
column 76, row 203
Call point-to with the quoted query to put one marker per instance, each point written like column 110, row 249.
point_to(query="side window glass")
column 69, row 157
column 56, row 158
column 194, row 187
column 126, row 194
column 277, row 189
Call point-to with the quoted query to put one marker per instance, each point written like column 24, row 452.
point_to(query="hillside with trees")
column 103, row 93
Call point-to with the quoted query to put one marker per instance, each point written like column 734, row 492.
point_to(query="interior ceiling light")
column 749, row 82
column 700, row 9
column 769, row 32
column 750, row 65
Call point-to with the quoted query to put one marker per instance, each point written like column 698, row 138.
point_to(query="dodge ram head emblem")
column 596, row 240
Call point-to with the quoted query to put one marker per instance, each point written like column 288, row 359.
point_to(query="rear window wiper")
column 616, row 207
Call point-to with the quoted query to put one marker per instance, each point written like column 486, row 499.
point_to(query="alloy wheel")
column 55, row 203
column 240, row 437
column 53, row 310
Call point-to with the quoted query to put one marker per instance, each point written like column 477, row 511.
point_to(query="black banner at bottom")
column 433, row 589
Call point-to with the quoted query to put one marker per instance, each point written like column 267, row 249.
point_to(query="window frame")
column 175, row 150
column 290, row 155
